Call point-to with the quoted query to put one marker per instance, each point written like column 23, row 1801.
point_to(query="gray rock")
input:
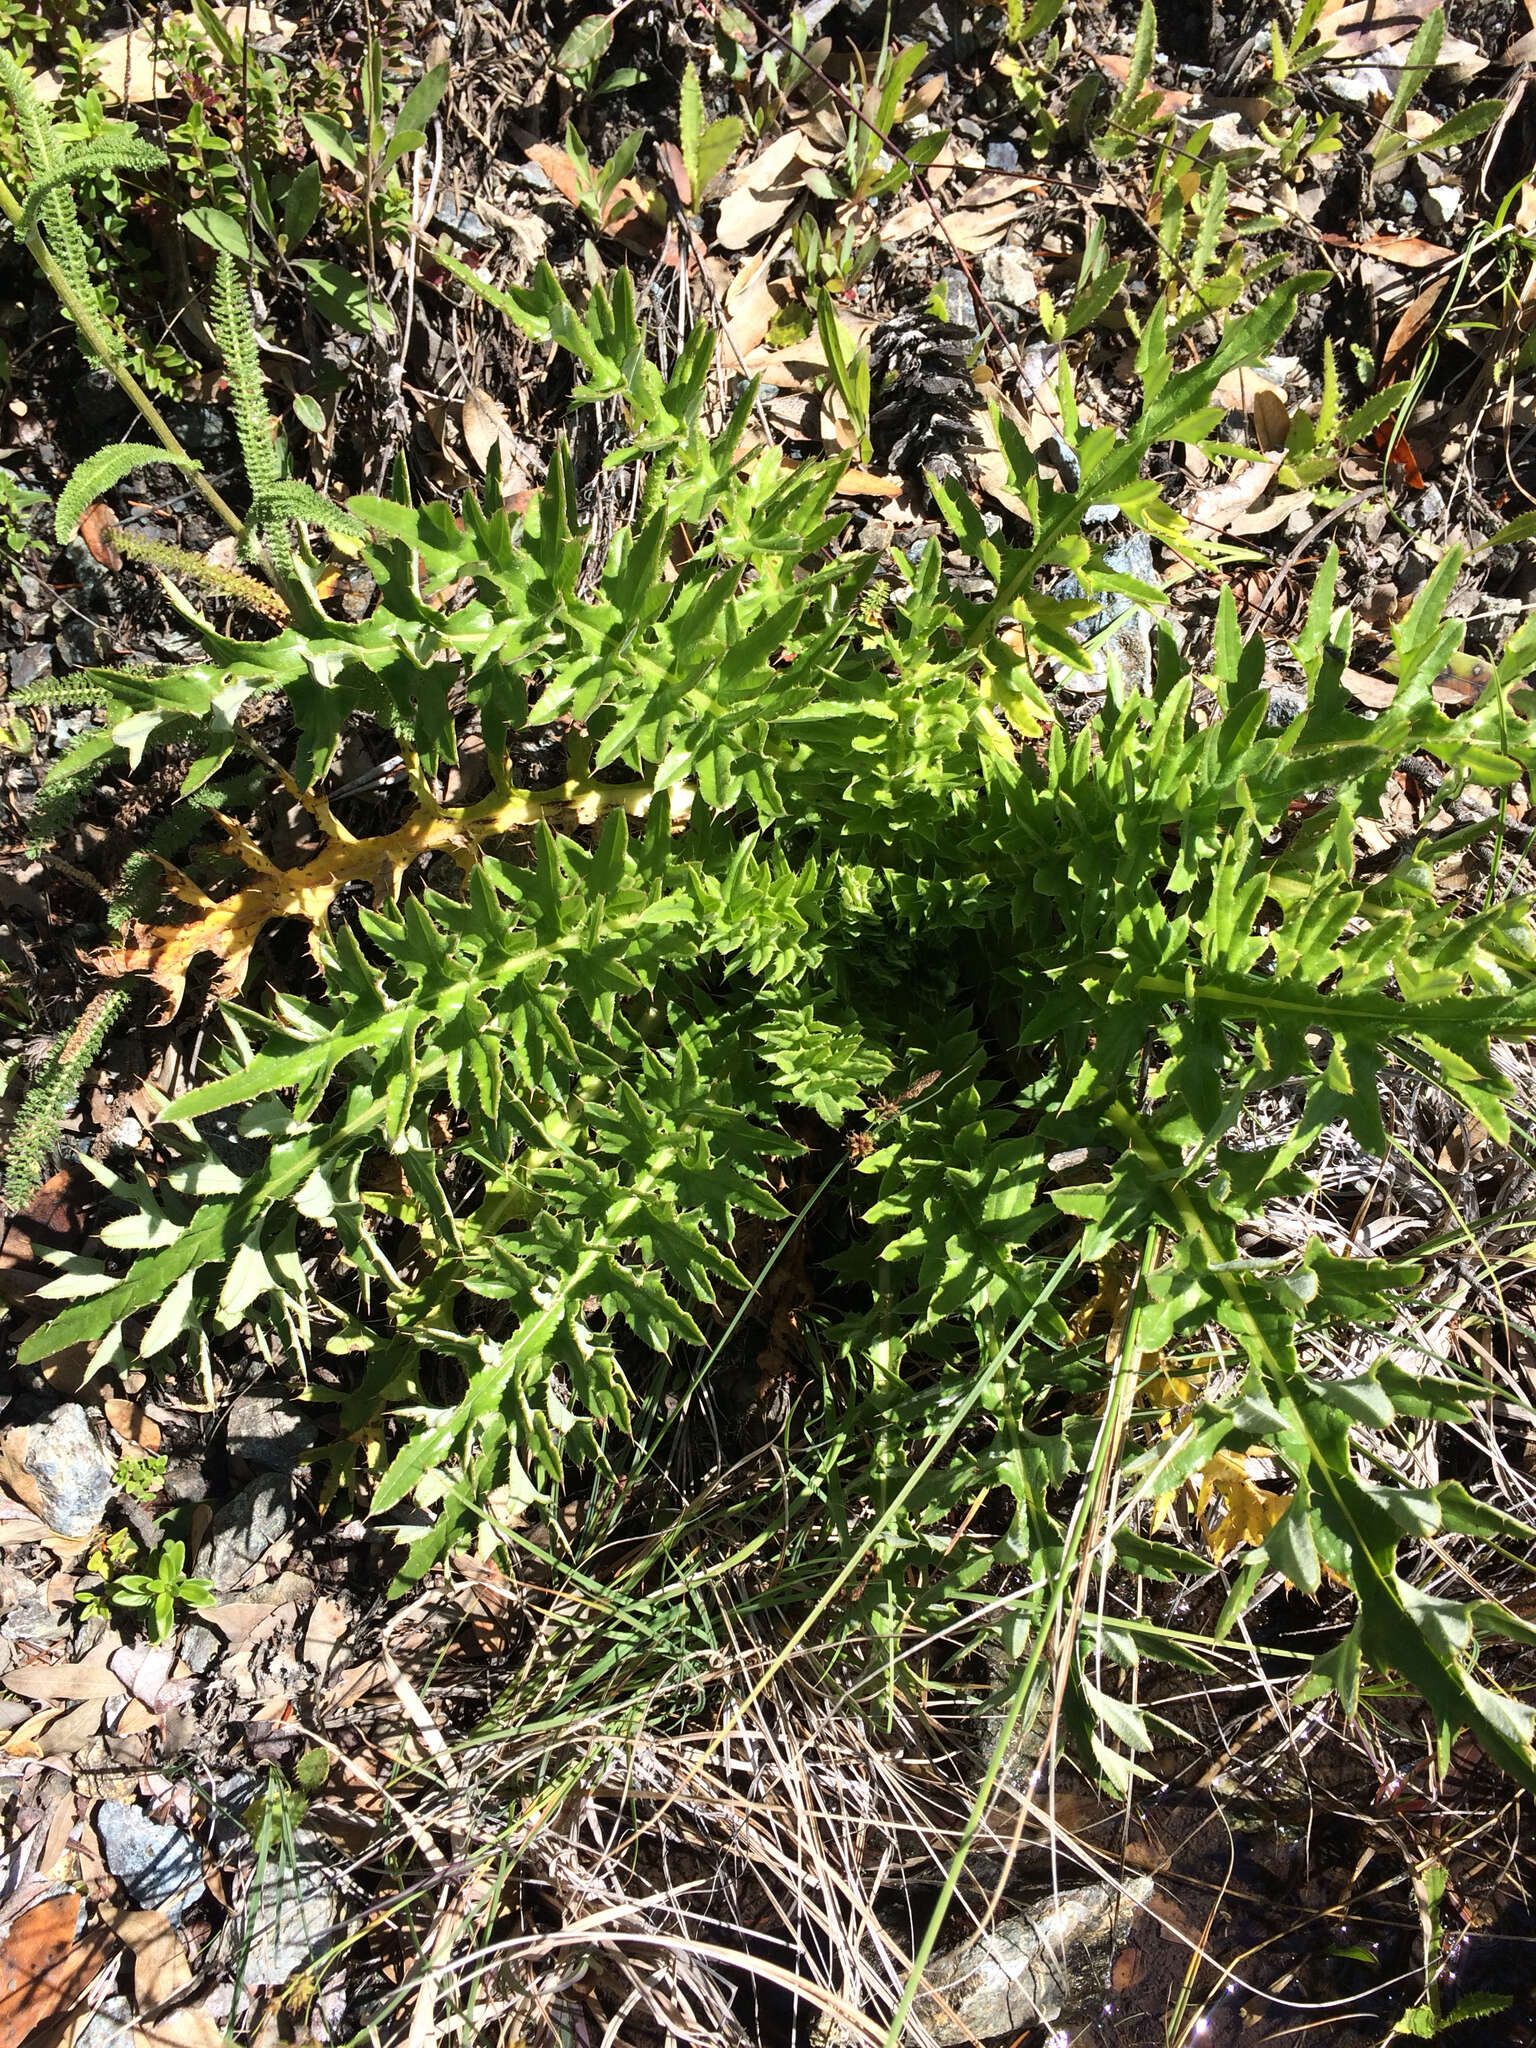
column 959, row 306
column 30, row 664
column 1008, row 277
column 244, row 1530
column 158, row 1865
column 81, row 643
column 72, row 1471
column 268, row 1432
column 1121, row 627
column 464, row 224
column 289, row 1919
column 1002, row 156
column 199, row 1647
column 227, row 1805
column 1026, row 1971
column 201, row 429
column 1441, row 204
column 1423, row 510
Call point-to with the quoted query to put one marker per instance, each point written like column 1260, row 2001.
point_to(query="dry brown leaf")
column 25, row 1741
column 991, row 470
column 751, row 305
column 131, row 70
column 160, row 1967
column 145, row 1668
column 54, row 1220
column 18, row 1527
column 630, row 205
column 132, row 1423
column 1269, row 516
column 96, row 524
column 1454, row 692
column 229, row 929
column 1212, row 509
column 248, row 1622
column 762, row 191
column 54, row 1684
column 192, row 2027
column 329, row 1624
column 1271, row 420
column 484, row 424
column 917, row 217
column 1411, row 324
column 61, row 1825
column 1358, row 28
column 1169, row 103
column 1411, row 251
column 1376, row 693
column 1238, row 389
column 972, row 232
column 45, row 1967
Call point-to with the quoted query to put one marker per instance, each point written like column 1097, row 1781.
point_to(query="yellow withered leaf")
column 229, row 927
column 1249, row 1511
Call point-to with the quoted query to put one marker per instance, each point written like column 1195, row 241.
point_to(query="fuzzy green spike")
column 201, row 573
column 49, row 174
column 234, row 329
column 110, row 153
column 41, row 1116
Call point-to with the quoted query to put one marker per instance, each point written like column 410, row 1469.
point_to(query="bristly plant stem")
column 102, row 342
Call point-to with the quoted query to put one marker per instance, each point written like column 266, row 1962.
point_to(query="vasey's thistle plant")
column 822, row 870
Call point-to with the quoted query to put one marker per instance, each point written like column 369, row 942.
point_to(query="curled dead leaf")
column 484, row 424
column 1271, row 420
column 1213, row 509
column 96, row 526
column 1357, row 28
column 131, row 1422
column 161, row 1971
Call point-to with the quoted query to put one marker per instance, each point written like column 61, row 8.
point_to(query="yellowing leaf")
column 230, row 928
column 1249, row 1511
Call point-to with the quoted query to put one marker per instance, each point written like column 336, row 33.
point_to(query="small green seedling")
column 140, row 1475
column 162, row 1589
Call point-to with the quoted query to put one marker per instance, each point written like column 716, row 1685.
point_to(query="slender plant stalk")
column 103, row 344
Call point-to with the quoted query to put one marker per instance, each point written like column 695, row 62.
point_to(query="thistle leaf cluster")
column 1022, row 996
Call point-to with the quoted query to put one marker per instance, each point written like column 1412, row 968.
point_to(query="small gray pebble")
column 158, row 1865
column 199, row 1647
column 268, row 1432
column 244, row 1530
